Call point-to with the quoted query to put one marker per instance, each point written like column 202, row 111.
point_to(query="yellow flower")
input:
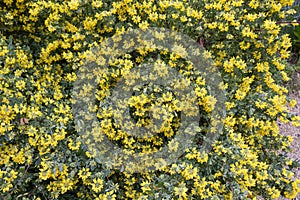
column 144, row 25
column 19, row 157
column 241, row 64
column 240, row 94
column 153, row 16
column 270, row 25
column 146, row 186
column 244, row 45
column 229, row 105
column 296, row 120
column 228, row 17
column 84, row 173
column 97, row 185
column 21, row 84
column 89, row 23
column 73, row 147
column 97, row 3
column 136, row 19
column 286, row 41
column 284, row 53
column 247, row 32
column 260, row 104
column 251, row 17
column 260, row 67
column 179, row 50
column 161, row 68
column 73, row 4
column 167, row 96
column 293, row 103
column 189, row 172
column 209, row 103
column 229, row 65
column 230, row 121
column 254, row 4
column 181, row 191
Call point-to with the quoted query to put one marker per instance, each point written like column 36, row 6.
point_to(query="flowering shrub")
column 45, row 43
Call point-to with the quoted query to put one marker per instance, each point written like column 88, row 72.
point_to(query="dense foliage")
column 43, row 44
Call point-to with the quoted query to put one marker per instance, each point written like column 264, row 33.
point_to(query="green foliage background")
column 44, row 43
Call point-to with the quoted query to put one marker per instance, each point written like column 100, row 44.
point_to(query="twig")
column 287, row 22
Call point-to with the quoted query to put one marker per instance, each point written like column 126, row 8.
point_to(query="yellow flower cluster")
column 43, row 47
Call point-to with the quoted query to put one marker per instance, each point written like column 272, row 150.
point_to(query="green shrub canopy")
column 45, row 44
